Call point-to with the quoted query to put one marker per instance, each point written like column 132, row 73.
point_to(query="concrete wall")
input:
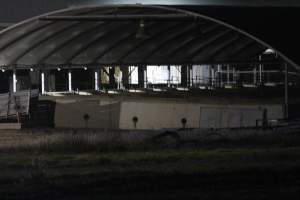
column 102, row 114
column 156, row 114
column 233, row 116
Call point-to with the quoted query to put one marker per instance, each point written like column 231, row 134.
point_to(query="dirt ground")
column 235, row 171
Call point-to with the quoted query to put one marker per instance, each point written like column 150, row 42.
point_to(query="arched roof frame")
column 28, row 27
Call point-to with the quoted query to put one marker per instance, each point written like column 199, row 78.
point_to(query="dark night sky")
column 16, row 10
column 275, row 25
column 12, row 11
column 199, row 2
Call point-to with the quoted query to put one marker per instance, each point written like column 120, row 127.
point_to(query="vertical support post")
column 131, row 69
column 260, row 71
column 141, row 76
column 184, row 76
column 169, row 76
column 43, row 82
column 260, row 74
column 125, row 76
column 228, row 74
column 70, row 81
column 191, row 75
column 96, row 74
column 220, row 75
column 145, row 77
column 112, row 78
column 286, row 92
column 188, row 76
column 8, row 104
column 234, row 75
column 254, row 76
column 212, row 76
column 201, row 73
column 14, row 80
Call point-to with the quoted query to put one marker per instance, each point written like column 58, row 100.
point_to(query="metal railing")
column 14, row 104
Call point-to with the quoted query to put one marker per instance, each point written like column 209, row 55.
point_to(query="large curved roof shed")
column 126, row 35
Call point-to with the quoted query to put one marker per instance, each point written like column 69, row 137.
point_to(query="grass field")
column 33, row 168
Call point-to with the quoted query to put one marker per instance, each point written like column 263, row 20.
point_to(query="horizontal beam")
column 97, row 65
column 156, row 17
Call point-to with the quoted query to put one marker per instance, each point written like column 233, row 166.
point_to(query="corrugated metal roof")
column 13, row 11
column 108, row 35
column 173, row 37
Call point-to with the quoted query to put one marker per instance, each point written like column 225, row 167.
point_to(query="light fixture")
column 269, row 51
column 85, row 68
column 3, row 70
column 58, row 69
column 141, row 31
column 31, row 69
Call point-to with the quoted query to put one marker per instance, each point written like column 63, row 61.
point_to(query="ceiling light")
column 269, row 51
column 141, row 31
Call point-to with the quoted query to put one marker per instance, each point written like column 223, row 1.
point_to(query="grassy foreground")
column 234, row 171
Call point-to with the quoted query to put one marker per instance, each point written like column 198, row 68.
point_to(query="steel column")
column 125, row 76
column 96, row 76
column 141, row 76
column 112, row 79
column 169, row 76
column 254, row 76
column 184, row 76
column 14, row 80
column 43, row 82
column 228, row 74
column 260, row 71
column 286, row 92
column 70, row 81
